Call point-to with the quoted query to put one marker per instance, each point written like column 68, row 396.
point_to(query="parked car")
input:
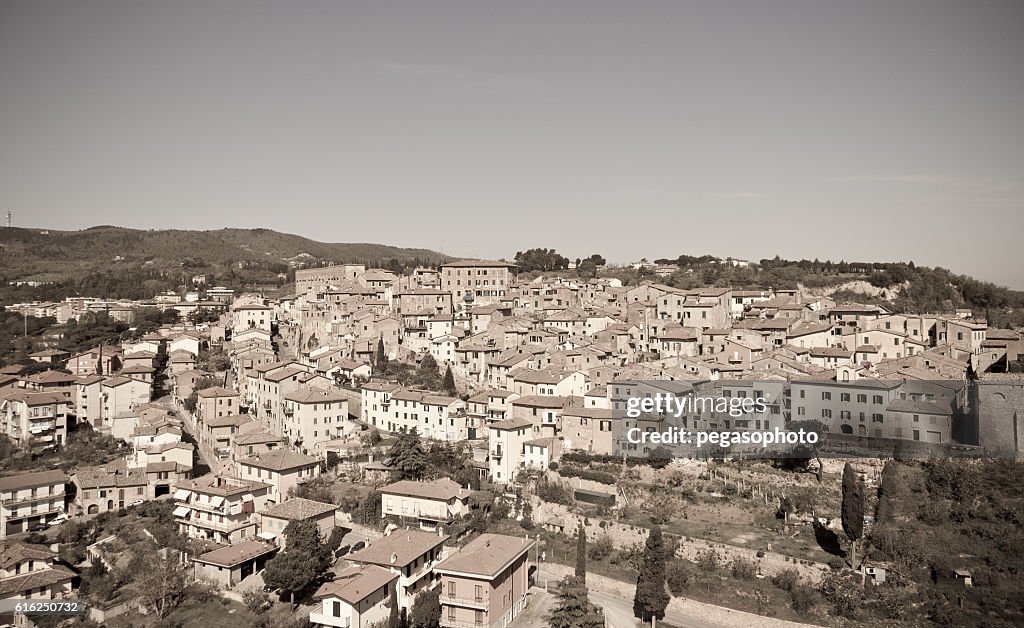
column 56, row 521
column 39, row 527
column 358, row 546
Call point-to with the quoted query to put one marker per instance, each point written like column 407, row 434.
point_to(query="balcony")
column 451, row 623
column 38, row 427
column 329, row 620
column 497, row 453
column 482, row 601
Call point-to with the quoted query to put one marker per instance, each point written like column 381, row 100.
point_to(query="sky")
column 876, row 130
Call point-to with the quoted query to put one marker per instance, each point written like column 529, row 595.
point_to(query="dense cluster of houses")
column 545, row 366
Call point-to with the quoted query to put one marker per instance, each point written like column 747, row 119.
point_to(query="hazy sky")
column 858, row 130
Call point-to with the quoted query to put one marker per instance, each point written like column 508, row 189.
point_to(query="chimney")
column 394, row 558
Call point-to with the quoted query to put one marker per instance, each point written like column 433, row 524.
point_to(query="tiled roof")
column 443, row 489
column 29, row 480
column 404, row 546
column 299, row 508
column 236, row 554
column 357, row 582
column 280, row 460
column 487, row 555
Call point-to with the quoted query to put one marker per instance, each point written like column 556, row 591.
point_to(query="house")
column 29, row 499
column 218, row 432
column 227, row 566
column 313, row 416
column 282, row 469
column 30, row 572
column 428, row 503
column 411, row 554
column 219, row 508
column 121, row 395
column 107, row 487
column 486, row 582
column 506, row 438
column 358, row 596
column 35, row 420
column 216, row 402
column 476, row 281
column 275, row 519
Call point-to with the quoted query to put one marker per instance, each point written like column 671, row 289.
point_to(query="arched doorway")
column 93, row 509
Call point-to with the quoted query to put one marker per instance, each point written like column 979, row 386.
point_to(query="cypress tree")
column 651, row 596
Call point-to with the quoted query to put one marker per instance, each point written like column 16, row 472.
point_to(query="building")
column 219, row 508
column 486, row 582
column 227, row 566
column 281, row 469
column 410, row 554
column 35, row 420
column 29, row 499
column 110, row 487
column 358, row 596
column 312, row 417
column 31, row 572
column 429, row 504
column 275, row 519
column 476, row 281
column 506, row 440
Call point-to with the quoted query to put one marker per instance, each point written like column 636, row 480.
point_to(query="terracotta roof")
column 29, row 480
column 315, row 395
column 299, row 508
column 487, row 555
column 442, row 488
column 280, row 460
column 404, row 546
column 236, row 554
column 356, row 583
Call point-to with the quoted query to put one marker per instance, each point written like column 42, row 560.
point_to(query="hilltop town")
column 449, row 446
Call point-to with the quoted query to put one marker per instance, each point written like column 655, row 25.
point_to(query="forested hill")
column 132, row 263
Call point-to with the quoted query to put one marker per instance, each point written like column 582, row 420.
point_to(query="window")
column 917, row 434
column 917, row 418
column 826, row 413
column 844, row 397
column 862, row 398
column 826, row 396
column 800, row 411
column 877, row 399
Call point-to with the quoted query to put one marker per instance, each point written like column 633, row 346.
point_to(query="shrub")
column 708, row 560
column 787, row 579
column 678, row 577
column 601, row 548
column 801, row 598
column 743, row 569
column 835, row 563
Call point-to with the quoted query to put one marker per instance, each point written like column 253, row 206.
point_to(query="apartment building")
column 411, row 555
column 588, row 429
column 219, row 508
column 35, row 420
column 486, row 582
column 29, row 499
column 30, row 572
column 312, row 417
column 429, row 504
column 505, row 448
column 282, row 469
column 392, row 408
column 121, row 395
column 227, row 566
column 476, row 281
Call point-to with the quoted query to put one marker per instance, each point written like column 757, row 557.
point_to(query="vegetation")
column 852, row 512
column 426, row 609
column 574, row 609
column 651, row 596
column 127, row 263
column 581, row 554
column 304, row 558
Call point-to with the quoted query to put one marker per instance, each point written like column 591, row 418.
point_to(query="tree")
column 449, row 382
column 303, row 536
column 290, row 572
column 426, row 609
column 581, row 554
column 380, row 361
column 574, row 610
column 256, row 601
column 651, row 596
column 852, row 510
column 799, row 458
column 161, row 584
column 407, row 455
column 395, row 616
column 318, row 489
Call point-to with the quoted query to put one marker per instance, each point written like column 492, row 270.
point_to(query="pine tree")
column 574, row 610
column 449, row 382
column 651, row 596
column 581, row 554
column 381, row 358
column 852, row 510
column 407, row 455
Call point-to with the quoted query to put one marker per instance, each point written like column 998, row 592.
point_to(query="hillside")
column 130, row 263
